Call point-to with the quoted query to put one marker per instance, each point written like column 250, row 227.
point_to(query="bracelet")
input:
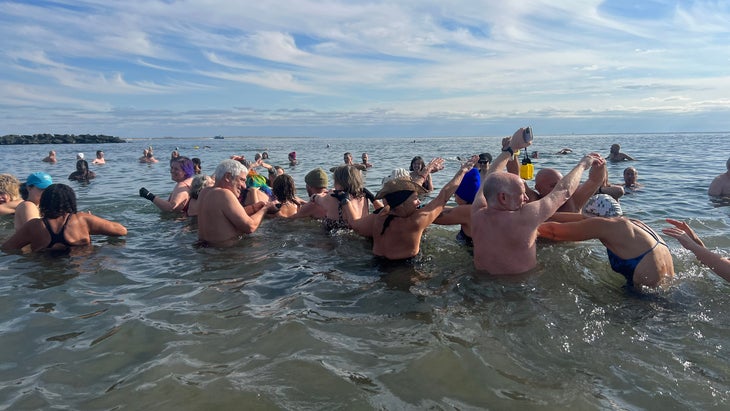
column 509, row 150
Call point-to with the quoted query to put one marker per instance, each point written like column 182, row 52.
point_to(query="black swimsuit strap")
column 387, row 221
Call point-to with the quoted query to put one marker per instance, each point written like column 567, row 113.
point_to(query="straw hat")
column 399, row 184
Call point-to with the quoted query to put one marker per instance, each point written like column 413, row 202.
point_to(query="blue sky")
column 378, row 68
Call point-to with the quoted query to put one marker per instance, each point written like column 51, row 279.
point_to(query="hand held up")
column 145, row 193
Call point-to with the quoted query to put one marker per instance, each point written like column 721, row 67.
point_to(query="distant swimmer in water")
column 565, row 150
column 720, row 186
column 616, row 155
column 99, row 158
column 82, row 172
column 631, row 175
column 50, row 158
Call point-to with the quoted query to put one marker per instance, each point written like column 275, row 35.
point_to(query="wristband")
column 599, row 190
column 509, row 150
column 144, row 193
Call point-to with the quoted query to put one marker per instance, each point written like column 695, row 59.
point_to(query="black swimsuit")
column 57, row 238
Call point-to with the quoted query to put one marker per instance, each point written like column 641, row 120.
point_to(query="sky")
column 144, row 69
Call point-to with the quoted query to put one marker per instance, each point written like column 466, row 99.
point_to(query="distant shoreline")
column 59, row 139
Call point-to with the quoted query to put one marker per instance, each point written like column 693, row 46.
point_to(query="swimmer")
column 50, row 158
column 504, row 223
column 316, row 185
column 99, row 158
column 720, row 186
column 61, row 227
column 421, row 172
column 366, row 160
column 616, row 155
column 222, row 219
column 461, row 214
column 82, row 172
column 181, row 172
column 397, row 230
column 200, row 181
column 28, row 209
column 631, row 175
column 634, row 250
column 9, row 194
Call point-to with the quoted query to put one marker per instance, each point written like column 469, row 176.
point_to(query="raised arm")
column 547, row 205
column 437, row 204
column 589, row 187
column 424, row 177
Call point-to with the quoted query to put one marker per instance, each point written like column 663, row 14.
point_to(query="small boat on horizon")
column 218, row 137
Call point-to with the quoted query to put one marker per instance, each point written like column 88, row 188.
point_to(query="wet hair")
column 9, row 185
column 232, row 167
column 82, row 166
column 186, row 165
column 197, row 184
column 23, row 190
column 57, row 200
column 350, row 179
column 196, row 165
column 417, row 158
column 284, row 189
column 99, row 152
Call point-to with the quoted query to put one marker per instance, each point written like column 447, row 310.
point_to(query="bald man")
column 547, row 178
column 504, row 223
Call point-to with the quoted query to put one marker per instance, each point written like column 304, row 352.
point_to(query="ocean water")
column 295, row 318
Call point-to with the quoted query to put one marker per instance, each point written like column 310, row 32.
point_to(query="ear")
column 502, row 197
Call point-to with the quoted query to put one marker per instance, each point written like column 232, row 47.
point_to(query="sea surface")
column 294, row 318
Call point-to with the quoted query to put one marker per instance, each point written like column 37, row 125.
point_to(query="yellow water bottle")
column 527, row 170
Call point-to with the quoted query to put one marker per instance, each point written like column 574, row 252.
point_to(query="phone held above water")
column 527, row 134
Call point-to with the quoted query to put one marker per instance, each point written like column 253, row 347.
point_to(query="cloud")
column 349, row 63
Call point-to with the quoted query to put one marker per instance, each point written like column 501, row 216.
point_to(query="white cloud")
column 413, row 59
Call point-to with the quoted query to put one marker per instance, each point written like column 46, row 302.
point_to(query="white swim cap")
column 602, row 205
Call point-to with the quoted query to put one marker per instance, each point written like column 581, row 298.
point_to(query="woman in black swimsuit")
column 61, row 227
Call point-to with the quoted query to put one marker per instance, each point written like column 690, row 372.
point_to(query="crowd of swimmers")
column 499, row 215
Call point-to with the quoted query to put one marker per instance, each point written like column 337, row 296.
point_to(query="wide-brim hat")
column 399, row 184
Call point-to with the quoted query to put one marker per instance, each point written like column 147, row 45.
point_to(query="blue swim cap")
column 469, row 186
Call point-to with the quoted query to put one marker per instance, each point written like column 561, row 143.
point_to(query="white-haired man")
column 222, row 219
